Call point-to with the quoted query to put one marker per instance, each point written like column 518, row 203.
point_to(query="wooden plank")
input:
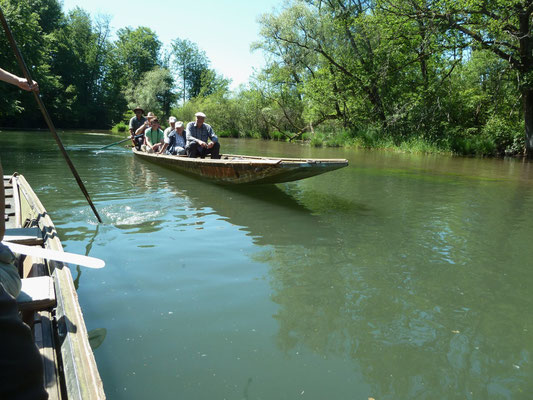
column 27, row 236
column 44, row 339
column 37, row 293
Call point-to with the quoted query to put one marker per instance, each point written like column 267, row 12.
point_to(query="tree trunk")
column 527, row 94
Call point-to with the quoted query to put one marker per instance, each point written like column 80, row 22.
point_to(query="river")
column 398, row 277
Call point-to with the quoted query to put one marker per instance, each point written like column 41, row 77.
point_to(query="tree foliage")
column 191, row 63
column 154, row 92
column 454, row 74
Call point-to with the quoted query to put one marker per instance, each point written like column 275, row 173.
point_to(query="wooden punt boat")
column 52, row 311
column 237, row 169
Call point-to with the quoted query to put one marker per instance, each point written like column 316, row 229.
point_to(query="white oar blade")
column 55, row 255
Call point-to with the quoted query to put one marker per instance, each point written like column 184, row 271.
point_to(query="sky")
column 224, row 29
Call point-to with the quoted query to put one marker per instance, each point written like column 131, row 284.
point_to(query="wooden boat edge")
column 246, row 169
column 78, row 365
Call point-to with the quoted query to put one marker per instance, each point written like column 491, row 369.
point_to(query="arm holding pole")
column 46, row 116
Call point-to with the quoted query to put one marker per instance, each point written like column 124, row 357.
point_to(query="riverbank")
column 483, row 145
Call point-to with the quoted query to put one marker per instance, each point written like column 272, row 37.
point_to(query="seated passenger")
column 153, row 137
column 172, row 126
column 139, row 132
column 198, row 133
column 175, row 141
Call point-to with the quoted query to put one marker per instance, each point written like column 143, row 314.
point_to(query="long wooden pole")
column 112, row 144
column 120, row 141
column 46, row 116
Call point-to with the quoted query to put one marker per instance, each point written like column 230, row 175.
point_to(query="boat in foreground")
column 48, row 301
column 237, row 169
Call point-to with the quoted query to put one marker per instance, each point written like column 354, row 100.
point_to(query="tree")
column 212, row 83
column 28, row 26
column 138, row 51
column 191, row 63
column 80, row 59
column 503, row 27
column 154, row 92
column 332, row 56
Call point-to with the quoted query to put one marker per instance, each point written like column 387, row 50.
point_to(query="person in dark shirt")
column 201, row 139
column 135, row 123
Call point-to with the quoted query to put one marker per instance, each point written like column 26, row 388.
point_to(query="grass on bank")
column 495, row 139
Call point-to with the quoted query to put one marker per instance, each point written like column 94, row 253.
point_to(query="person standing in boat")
column 198, row 135
column 175, row 141
column 21, row 365
column 153, row 137
column 135, row 123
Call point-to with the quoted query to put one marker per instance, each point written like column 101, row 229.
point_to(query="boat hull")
column 59, row 331
column 236, row 169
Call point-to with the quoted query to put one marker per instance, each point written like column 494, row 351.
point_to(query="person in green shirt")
column 153, row 137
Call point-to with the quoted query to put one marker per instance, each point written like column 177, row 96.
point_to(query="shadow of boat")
column 269, row 214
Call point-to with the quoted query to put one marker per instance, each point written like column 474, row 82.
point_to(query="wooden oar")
column 47, row 118
column 55, row 255
column 112, row 144
column 121, row 141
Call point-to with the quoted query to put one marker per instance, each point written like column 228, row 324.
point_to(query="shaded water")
column 399, row 277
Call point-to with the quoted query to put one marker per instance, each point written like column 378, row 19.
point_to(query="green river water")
column 398, row 277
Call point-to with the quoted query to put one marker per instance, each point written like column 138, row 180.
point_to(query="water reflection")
column 97, row 337
column 406, row 276
column 416, row 305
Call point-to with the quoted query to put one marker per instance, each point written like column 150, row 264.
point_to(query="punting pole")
column 46, row 116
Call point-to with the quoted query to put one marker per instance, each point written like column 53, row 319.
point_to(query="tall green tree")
column 30, row 22
column 154, row 92
column 333, row 54
column 138, row 51
column 81, row 57
column 190, row 63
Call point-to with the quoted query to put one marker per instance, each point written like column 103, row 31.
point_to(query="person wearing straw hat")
column 198, row 135
column 135, row 123
column 139, row 133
